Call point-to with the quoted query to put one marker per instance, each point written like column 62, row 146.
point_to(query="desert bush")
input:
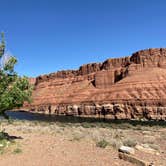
column 163, row 136
column 154, row 146
column 115, row 143
column 17, row 150
column 130, row 142
column 88, row 125
column 148, row 140
column 102, row 144
column 76, row 138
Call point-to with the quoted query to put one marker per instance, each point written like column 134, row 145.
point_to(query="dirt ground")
column 56, row 144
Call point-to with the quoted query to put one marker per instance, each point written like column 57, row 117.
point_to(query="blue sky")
column 51, row 35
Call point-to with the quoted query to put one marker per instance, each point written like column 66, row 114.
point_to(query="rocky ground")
column 84, row 144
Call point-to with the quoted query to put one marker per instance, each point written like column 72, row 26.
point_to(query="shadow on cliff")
column 22, row 115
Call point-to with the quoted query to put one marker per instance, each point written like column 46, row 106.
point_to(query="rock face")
column 132, row 87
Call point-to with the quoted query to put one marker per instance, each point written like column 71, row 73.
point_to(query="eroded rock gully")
column 132, row 87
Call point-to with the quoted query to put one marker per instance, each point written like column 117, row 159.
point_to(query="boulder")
column 126, row 149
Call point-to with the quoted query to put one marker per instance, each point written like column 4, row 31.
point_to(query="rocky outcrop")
column 132, row 87
column 112, row 111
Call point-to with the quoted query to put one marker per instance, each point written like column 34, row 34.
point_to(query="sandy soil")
column 46, row 150
column 54, row 145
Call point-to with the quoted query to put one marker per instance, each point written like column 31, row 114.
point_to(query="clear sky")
column 51, row 35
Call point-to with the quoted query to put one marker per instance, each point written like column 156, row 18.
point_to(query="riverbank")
column 65, row 143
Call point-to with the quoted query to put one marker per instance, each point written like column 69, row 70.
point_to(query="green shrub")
column 102, row 144
column 17, row 150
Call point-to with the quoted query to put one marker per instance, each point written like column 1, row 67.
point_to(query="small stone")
column 115, row 158
column 146, row 132
column 126, row 149
column 157, row 153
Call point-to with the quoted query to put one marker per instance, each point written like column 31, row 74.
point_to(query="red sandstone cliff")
column 121, row 88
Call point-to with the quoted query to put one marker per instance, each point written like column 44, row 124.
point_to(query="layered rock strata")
column 132, row 87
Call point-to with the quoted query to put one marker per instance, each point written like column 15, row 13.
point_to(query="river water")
column 24, row 115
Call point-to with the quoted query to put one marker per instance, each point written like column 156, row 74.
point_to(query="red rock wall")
column 121, row 88
column 104, row 78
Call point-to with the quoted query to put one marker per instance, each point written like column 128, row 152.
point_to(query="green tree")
column 14, row 89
